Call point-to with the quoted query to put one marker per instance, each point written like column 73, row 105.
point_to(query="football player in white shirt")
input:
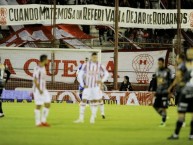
column 41, row 94
column 91, row 76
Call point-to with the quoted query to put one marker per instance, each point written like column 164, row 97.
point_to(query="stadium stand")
column 103, row 36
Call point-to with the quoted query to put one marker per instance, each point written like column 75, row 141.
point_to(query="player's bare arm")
column 37, row 85
column 172, row 85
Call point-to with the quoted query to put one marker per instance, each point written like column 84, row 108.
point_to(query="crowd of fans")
column 149, row 36
column 146, row 37
column 148, row 4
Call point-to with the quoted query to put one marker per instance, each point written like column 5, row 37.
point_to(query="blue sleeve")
column 80, row 67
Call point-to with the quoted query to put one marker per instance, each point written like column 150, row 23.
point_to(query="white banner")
column 94, row 15
column 139, row 66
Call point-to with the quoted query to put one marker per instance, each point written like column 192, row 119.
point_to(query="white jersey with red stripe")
column 40, row 75
column 90, row 73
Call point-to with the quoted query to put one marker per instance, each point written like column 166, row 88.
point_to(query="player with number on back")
column 90, row 78
column 41, row 94
column 163, row 77
column 185, row 103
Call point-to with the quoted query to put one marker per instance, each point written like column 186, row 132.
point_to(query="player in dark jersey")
column 163, row 76
column 3, row 81
column 185, row 104
column 178, row 82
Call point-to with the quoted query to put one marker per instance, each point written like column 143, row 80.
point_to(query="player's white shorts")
column 92, row 93
column 41, row 99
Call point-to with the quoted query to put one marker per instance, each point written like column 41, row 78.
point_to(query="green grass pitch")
column 124, row 125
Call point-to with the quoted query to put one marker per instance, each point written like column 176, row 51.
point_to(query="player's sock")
column 45, row 112
column 1, row 110
column 179, row 124
column 102, row 108
column 82, row 110
column 37, row 117
column 175, row 136
column 91, row 108
column 164, row 116
column 94, row 108
column 191, row 128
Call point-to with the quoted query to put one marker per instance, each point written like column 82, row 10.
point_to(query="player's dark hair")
column 127, row 78
column 94, row 53
column 161, row 59
column 182, row 56
column 43, row 57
